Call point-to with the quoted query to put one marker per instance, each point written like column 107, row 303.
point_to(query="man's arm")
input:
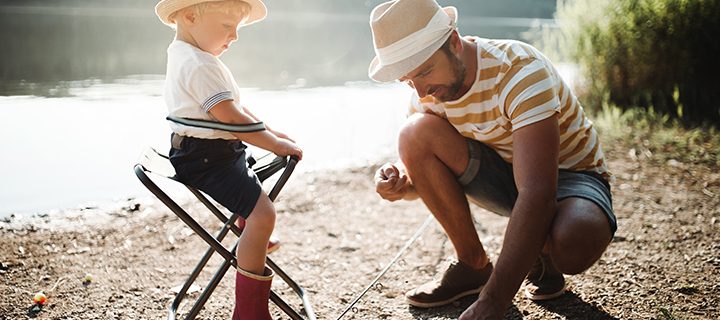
column 535, row 166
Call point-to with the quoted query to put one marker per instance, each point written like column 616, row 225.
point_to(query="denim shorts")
column 489, row 182
column 218, row 168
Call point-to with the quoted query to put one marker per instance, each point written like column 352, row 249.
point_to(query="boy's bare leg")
column 252, row 247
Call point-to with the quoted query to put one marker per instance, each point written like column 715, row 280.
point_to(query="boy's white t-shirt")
column 195, row 82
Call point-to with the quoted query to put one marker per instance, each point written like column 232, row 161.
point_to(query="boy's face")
column 214, row 32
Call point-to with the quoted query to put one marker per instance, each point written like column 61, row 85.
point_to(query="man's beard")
column 458, row 70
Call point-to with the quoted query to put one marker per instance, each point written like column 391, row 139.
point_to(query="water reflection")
column 323, row 42
column 103, row 63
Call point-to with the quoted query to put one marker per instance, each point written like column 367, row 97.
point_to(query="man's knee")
column 568, row 264
column 423, row 135
column 418, row 126
column 579, row 235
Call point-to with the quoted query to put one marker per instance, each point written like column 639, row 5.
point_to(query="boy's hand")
column 285, row 147
column 390, row 183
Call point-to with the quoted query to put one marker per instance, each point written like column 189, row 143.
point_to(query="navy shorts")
column 218, row 168
column 489, row 182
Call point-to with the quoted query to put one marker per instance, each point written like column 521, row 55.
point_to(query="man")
column 492, row 121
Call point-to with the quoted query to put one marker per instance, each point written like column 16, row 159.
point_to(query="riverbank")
column 337, row 235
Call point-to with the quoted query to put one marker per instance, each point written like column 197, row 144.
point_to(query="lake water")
column 80, row 150
column 319, row 42
column 67, row 142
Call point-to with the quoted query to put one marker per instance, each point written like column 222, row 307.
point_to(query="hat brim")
column 165, row 9
column 258, row 12
column 392, row 72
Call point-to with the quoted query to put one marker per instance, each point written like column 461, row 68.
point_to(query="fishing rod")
column 410, row 241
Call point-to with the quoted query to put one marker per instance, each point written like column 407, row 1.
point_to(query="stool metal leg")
column 216, row 245
column 210, row 288
column 271, row 264
column 273, row 297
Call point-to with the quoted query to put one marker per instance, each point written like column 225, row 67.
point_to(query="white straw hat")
column 165, row 8
column 405, row 34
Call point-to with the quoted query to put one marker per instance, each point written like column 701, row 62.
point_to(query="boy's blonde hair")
column 238, row 7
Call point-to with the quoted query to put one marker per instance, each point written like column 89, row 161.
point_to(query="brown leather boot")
column 544, row 282
column 251, row 295
column 459, row 280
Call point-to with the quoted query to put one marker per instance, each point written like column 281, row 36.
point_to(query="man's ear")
column 455, row 42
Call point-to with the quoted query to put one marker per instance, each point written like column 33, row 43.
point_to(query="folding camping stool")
column 152, row 161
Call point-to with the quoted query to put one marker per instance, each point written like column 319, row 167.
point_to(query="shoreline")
column 336, row 235
column 95, row 213
column 69, row 218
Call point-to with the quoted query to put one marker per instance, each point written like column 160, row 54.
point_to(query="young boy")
column 200, row 86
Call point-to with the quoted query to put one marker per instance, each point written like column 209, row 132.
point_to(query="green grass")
column 657, row 137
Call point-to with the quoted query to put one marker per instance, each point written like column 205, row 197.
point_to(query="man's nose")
column 234, row 35
column 421, row 89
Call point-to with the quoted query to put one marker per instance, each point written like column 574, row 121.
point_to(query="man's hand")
column 482, row 309
column 391, row 183
column 285, row 147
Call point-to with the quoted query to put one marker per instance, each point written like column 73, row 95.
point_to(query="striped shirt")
column 516, row 86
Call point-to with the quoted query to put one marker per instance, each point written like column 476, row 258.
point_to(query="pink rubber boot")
column 251, row 295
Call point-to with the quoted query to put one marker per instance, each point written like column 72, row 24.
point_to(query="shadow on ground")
column 569, row 306
column 454, row 310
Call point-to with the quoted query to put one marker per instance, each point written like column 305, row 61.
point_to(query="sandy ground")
column 664, row 262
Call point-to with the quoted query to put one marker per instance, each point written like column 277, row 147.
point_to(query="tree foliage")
column 661, row 55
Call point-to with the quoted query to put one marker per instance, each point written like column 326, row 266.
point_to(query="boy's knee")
column 263, row 216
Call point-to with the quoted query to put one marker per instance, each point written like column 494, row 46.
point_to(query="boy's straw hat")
column 405, row 34
column 165, row 8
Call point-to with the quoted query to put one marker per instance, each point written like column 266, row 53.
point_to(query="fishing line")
column 410, row 241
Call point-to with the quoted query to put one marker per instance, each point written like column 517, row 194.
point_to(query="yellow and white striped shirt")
column 516, row 86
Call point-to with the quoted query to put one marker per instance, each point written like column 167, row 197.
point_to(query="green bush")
column 656, row 136
column 659, row 54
